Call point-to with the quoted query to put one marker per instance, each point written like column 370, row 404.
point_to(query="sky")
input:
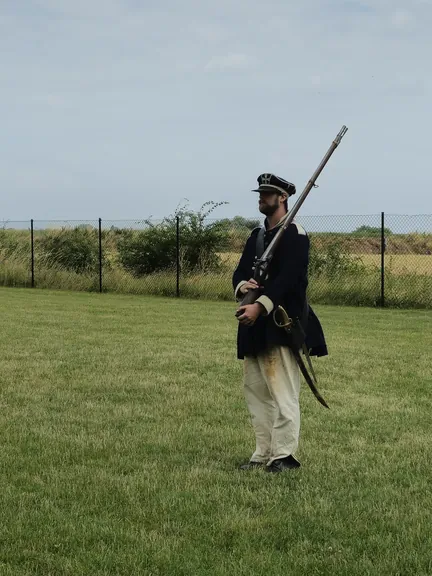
column 125, row 109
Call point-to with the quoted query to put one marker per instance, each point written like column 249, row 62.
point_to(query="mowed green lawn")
column 123, row 423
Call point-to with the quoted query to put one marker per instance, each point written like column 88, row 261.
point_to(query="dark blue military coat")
column 286, row 285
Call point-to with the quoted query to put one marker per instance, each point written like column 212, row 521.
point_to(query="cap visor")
column 270, row 189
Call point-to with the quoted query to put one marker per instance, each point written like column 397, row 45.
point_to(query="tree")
column 370, row 231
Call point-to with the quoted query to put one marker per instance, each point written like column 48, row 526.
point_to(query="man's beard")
column 268, row 209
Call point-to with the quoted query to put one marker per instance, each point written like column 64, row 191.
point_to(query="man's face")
column 268, row 203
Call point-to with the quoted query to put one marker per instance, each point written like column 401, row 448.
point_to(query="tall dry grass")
column 405, row 286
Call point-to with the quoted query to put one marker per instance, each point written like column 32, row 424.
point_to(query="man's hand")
column 251, row 284
column 250, row 313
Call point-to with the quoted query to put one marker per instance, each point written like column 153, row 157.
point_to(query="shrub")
column 333, row 259
column 236, row 232
column 154, row 249
column 365, row 230
column 147, row 251
column 75, row 249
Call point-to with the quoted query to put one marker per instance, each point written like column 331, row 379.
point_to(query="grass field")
column 123, row 422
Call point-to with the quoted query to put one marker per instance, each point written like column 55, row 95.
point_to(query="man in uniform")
column 271, row 373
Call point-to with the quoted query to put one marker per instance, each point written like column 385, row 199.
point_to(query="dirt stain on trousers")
column 272, row 389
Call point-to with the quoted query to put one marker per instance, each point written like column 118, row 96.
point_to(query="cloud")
column 54, row 100
column 211, row 34
column 230, row 61
column 82, row 8
column 355, row 6
column 94, row 74
column 401, row 19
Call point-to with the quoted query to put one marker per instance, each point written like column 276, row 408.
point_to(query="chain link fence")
column 371, row 260
column 15, row 254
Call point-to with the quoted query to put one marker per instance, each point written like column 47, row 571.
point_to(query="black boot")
column 282, row 464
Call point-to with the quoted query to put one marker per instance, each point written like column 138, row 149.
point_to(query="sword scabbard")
column 296, row 339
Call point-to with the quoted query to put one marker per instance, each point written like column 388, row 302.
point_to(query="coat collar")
column 274, row 227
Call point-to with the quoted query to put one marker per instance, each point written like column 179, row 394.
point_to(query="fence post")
column 382, row 260
column 100, row 255
column 178, row 257
column 32, row 253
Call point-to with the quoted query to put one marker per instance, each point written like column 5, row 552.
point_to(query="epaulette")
column 300, row 229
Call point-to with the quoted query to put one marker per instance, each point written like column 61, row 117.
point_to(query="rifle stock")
column 251, row 296
column 262, row 264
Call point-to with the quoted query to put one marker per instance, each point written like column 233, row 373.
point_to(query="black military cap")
column 271, row 183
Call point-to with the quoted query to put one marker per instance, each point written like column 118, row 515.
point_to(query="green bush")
column 236, row 231
column 370, row 231
column 73, row 249
column 147, row 251
column 333, row 259
column 155, row 248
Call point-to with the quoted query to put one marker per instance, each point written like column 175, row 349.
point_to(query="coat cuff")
column 238, row 296
column 266, row 302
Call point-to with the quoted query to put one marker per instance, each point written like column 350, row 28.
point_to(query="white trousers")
column 272, row 390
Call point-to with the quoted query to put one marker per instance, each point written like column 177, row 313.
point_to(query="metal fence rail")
column 374, row 260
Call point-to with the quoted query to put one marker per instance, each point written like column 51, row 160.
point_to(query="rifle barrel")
column 310, row 184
